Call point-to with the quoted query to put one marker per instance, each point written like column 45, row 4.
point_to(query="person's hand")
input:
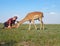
column 9, row 27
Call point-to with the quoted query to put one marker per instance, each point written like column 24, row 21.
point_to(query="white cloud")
column 52, row 13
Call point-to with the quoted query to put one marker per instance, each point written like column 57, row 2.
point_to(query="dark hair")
column 15, row 17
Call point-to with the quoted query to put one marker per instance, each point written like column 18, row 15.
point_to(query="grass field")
column 23, row 37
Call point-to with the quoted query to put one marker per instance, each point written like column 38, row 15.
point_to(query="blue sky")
column 20, row 8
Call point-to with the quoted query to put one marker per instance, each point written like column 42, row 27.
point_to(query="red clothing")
column 10, row 21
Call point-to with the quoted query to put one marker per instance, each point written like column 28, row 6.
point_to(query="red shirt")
column 11, row 21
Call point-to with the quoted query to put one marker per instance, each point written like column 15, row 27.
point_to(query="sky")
column 20, row 8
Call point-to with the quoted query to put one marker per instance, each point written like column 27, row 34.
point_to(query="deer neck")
column 22, row 21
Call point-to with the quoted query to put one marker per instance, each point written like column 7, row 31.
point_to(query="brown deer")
column 31, row 17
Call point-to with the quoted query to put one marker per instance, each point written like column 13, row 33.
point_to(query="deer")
column 31, row 17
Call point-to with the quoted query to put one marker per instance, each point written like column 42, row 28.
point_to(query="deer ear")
column 17, row 21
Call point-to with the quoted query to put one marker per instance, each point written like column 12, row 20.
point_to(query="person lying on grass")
column 10, row 23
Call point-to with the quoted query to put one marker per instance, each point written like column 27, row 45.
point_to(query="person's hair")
column 15, row 17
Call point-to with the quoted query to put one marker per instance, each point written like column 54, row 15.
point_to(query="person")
column 10, row 22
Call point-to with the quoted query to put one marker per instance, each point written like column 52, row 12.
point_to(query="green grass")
column 23, row 37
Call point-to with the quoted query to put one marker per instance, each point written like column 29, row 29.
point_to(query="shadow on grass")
column 42, row 29
column 11, row 43
column 1, row 29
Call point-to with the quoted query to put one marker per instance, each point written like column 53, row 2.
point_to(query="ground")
column 23, row 37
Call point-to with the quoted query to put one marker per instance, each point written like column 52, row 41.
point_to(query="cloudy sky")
column 20, row 8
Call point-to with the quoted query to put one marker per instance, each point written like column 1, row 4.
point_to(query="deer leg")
column 34, row 24
column 42, row 25
column 29, row 25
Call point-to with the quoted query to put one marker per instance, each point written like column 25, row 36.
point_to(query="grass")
column 23, row 37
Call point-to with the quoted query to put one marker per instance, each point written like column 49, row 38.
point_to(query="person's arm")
column 9, row 24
